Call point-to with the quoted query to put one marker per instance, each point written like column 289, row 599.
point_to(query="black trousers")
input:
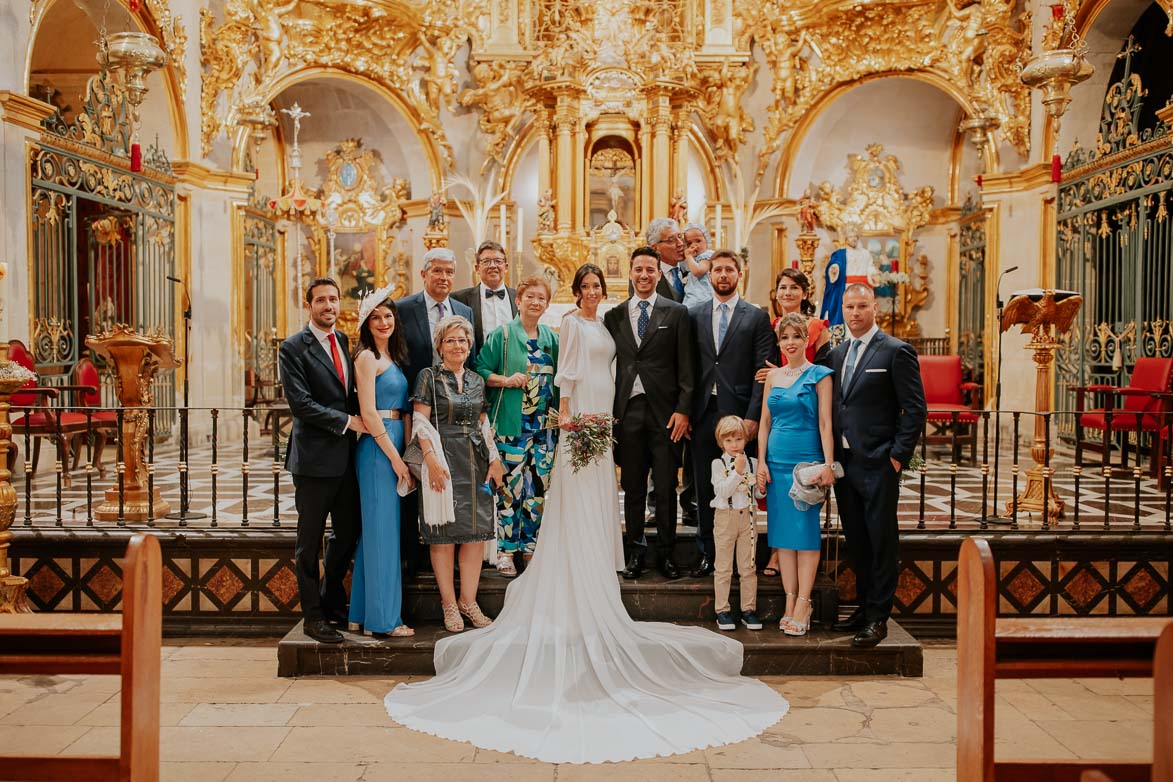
column 867, row 497
column 317, row 498
column 705, row 449
column 644, row 445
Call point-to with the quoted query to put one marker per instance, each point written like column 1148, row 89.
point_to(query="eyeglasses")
column 492, row 262
column 454, row 341
column 677, row 239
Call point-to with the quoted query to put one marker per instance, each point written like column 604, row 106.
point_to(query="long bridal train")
column 564, row 675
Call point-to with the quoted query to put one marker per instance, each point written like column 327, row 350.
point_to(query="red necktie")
column 334, row 354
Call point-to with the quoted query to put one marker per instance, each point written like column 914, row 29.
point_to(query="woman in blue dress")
column 797, row 415
column 376, row 590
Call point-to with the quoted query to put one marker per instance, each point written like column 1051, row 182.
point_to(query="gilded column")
column 564, row 126
column 545, row 164
column 680, row 127
column 661, row 154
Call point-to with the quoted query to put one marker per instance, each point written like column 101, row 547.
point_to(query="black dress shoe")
column 871, row 635
column 634, row 567
column 669, row 570
column 703, row 568
column 334, row 619
column 852, row 623
column 321, row 631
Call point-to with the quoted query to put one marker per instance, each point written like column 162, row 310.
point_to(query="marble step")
column 650, row 598
column 768, row 652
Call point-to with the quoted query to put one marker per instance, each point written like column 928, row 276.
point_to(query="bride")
column 564, row 675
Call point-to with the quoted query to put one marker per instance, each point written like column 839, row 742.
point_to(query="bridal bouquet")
column 589, row 437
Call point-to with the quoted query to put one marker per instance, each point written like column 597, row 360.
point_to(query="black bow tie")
column 490, row 294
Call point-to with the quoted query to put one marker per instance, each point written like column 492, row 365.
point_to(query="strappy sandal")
column 452, row 621
column 786, row 620
column 403, row 631
column 474, row 614
column 505, row 565
column 800, row 628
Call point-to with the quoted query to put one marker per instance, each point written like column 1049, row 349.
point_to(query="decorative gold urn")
column 135, row 359
column 12, row 588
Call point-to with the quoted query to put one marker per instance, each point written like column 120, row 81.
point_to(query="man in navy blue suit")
column 419, row 313
column 878, row 413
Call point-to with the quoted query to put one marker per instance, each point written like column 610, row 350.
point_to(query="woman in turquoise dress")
column 518, row 363
column 376, row 589
column 797, row 416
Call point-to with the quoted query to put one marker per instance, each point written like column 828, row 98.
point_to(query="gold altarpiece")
column 874, row 205
column 364, row 214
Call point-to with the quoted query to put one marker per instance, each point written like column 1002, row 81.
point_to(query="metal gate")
column 971, row 294
column 84, row 197
column 1115, row 244
column 260, row 296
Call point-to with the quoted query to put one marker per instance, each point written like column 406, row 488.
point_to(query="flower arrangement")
column 589, row 437
column 887, row 279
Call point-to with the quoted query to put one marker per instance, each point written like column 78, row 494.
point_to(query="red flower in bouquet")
column 589, row 436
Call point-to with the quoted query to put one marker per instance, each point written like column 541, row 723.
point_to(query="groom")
column 879, row 410
column 653, row 397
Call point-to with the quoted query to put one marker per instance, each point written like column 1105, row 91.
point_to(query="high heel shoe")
column 800, row 628
column 452, row 621
column 786, row 620
column 474, row 614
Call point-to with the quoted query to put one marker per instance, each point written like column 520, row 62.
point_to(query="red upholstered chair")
column 105, row 422
column 46, row 422
column 1147, row 407
column 946, row 395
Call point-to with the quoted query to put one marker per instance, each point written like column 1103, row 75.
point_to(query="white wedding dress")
column 564, row 675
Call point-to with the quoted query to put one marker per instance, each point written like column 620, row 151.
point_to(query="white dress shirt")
column 864, row 341
column 323, row 338
column 732, row 305
column 495, row 312
column 732, row 489
column 637, row 387
column 434, row 318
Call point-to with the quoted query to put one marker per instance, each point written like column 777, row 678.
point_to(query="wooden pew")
column 128, row 645
column 990, row 648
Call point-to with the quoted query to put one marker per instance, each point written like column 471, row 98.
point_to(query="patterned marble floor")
column 944, row 502
column 226, row 717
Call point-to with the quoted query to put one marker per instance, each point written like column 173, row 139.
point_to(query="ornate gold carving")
column 816, row 47
column 355, row 190
column 405, row 47
column 499, row 94
column 722, row 89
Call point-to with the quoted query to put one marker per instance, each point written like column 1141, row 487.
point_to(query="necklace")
column 790, row 372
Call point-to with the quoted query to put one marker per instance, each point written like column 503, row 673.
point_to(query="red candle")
column 895, row 265
column 1057, row 11
column 794, row 264
column 1056, row 168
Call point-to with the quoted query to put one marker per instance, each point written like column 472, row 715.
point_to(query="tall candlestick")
column 501, row 225
column 520, row 223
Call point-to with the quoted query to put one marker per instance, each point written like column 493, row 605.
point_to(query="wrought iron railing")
column 233, row 473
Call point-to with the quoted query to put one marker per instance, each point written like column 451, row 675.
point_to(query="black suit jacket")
column 474, row 299
column 882, row 410
column 320, row 445
column 749, row 344
column 663, row 362
column 413, row 311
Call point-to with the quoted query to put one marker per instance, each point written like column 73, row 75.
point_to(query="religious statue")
column 437, row 222
column 722, row 108
column 806, row 215
column 615, row 192
column 546, row 212
column 847, row 265
column 678, row 209
column 498, row 93
column 437, row 81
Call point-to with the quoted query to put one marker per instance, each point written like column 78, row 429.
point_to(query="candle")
column 520, row 223
column 501, row 225
column 717, row 228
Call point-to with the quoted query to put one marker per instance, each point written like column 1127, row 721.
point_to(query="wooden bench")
column 128, row 645
column 990, row 648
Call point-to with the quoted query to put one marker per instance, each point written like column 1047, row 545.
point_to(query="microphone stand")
column 184, row 515
column 997, row 518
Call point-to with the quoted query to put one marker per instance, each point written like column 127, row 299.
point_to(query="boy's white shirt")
column 729, row 485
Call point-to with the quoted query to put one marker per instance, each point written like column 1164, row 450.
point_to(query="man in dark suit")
column 492, row 302
column 419, row 313
column 653, row 397
column 733, row 341
column 879, row 410
column 318, row 377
